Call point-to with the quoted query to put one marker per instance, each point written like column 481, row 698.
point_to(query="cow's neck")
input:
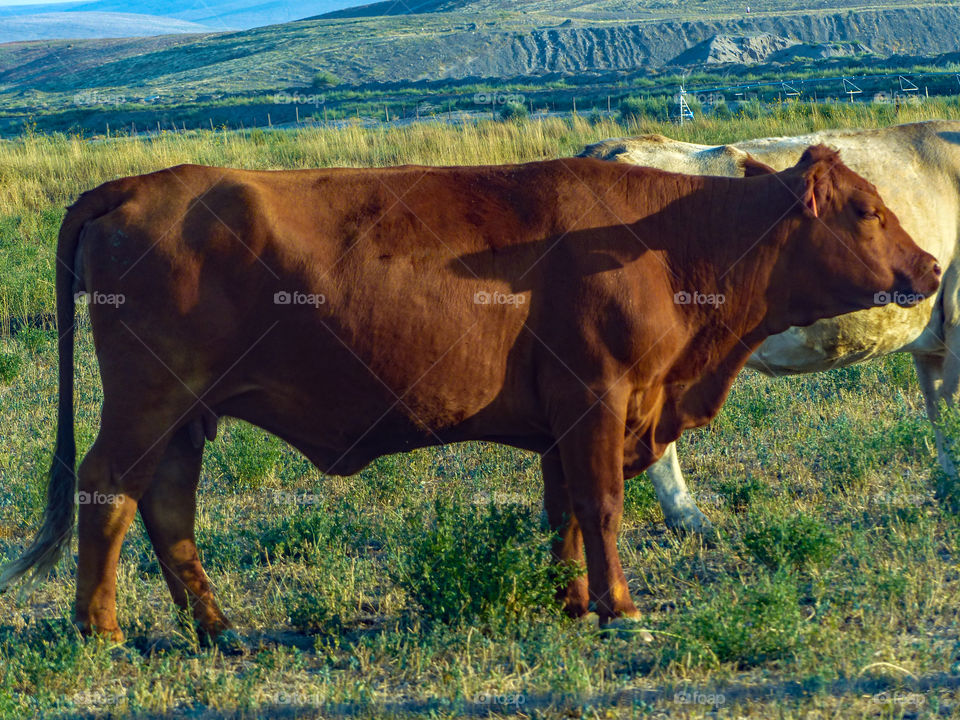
column 730, row 260
column 731, row 257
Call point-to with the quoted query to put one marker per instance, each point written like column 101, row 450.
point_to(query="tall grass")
column 39, row 171
column 41, row 174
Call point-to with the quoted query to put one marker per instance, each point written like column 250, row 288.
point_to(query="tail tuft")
column 55, row 533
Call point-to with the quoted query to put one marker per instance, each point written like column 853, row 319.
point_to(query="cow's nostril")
column 937, row 269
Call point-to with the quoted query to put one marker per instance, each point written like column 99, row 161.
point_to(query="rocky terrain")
column 915, row 31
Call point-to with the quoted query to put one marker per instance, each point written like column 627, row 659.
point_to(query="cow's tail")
column 56, row 530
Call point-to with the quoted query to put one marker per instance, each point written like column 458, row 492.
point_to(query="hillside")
column 603, row 9
column 439, row 46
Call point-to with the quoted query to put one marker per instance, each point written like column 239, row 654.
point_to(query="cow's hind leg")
column 568, row 546
column 168, row 509
column 111, row 479
column 680, row 510
column 937, row 379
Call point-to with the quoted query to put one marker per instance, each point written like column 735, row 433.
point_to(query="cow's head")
column 847, row 251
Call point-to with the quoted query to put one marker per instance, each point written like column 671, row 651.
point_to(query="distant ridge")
column 397, row 7
column 77, row 25
column 131, row 18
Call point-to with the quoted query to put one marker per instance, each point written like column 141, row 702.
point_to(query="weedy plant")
column 478, row 564
column 742, row 624
column 799, row 542
column 10, row 364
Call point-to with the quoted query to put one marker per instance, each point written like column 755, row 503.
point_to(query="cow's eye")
column 869, row 214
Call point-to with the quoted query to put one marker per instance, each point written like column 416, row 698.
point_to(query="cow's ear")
column 817, row 168
column 815, row 189
column 752, row 167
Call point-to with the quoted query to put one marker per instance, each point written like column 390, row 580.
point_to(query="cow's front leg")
column 680, row 511
column 591, row 450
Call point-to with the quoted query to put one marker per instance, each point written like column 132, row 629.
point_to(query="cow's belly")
column 848, row 339
column 342, row 412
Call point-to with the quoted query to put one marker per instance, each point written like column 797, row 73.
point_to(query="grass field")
column 831, row 591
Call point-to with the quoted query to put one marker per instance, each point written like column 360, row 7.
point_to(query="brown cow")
column 580, row 309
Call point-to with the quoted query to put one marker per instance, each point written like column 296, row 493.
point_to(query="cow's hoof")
column 227, row 642
column 589, row 620
column 693, row 522
column 115, row 636
column 627, row 628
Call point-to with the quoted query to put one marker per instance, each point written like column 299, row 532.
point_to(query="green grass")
column 420, row 586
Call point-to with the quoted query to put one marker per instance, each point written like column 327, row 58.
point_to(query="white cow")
column 916, row 168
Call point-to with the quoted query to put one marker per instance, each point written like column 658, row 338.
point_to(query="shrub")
column 324, row 79
column 948, row 484
column 722, row 111
column 34, row 339
column 472, row 564
column 634, row 109
column 848, row 455
column 314, row 612
column 10, row 364
column 741, row 494
column 799, row 541
column 514, row 110
column 305, row 537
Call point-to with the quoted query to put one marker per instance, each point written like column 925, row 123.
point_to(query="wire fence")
column 881, row 87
